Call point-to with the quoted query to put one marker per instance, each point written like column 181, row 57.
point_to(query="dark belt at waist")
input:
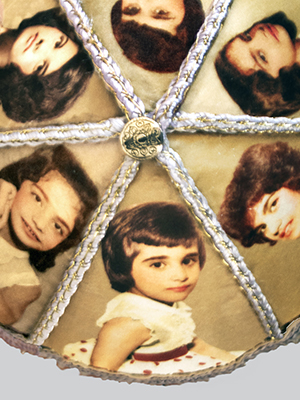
column 166, row 355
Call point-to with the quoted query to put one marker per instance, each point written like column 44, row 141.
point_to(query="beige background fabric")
column 207, row 93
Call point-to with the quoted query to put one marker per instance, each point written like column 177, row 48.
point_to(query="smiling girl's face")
column 265, row 47
column 43, row 214
column 165, row 274
column 278, row 214
column 42, row 50
column 159, row 14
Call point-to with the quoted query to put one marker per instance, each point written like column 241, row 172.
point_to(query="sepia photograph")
column 147, row 39
column 156, row 34
column 253, row 65
column 45, row 71
column 47, row 198
column 252, row 185
column 158, row 298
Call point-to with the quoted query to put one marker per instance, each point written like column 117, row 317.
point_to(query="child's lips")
column 29, row 231
column 287, row 231
column 30, row 42
column 179, row 289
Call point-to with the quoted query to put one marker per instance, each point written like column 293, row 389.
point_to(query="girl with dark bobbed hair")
column 43, row 67
column 262, row 202
column 156, row 35
column 45, row 202
column 153, row 254
column 260, row 67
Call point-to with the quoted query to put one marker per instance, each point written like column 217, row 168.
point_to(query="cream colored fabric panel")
column 207, row 93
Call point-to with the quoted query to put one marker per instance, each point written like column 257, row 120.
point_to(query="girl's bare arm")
column 117, row 339
column 205, row 349
column 14, row 300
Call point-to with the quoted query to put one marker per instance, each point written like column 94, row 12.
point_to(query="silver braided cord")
column 172, row 100
column 86, row 250
column 233, row 124
column 70, row 133
column 170, row 120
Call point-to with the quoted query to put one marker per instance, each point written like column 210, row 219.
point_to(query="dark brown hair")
column 156, row 49
column 32, row 97
column 37, row 165
column 154, row 224
column 262, row 169
column 259, row 93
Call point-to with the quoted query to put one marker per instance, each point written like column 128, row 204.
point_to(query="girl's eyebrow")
column 195, row 254
column 155, row 258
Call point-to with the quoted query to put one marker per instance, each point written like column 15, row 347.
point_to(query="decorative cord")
column 233, row 124
column 86, row 250
column 70, row 133
column 174, row 97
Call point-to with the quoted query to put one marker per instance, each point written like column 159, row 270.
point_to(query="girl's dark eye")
column 247, row 36
column 187, row 261
column 262, row 228
column 262, row 56
column 131, row 10
column 37, row 197
column 58, row 228
column 273, row 205
column 161, row 12
column 157, row 264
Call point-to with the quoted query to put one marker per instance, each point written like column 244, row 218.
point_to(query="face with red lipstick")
column 165, row 274
column 43, row 214
column 265, row 47
column 42, row 50
column 278, row 214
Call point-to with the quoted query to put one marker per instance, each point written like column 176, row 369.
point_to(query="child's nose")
column 40, row 221
column 274, row 227
column 180, row 273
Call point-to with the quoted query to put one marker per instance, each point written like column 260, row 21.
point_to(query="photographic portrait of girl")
column 45, row 202
column 260, row 67
column 262, row 201
column 44, row 67
column 153, row 255
column 156, row 34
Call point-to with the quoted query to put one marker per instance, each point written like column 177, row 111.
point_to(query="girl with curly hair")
column 260, row 67
column 262, row 201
